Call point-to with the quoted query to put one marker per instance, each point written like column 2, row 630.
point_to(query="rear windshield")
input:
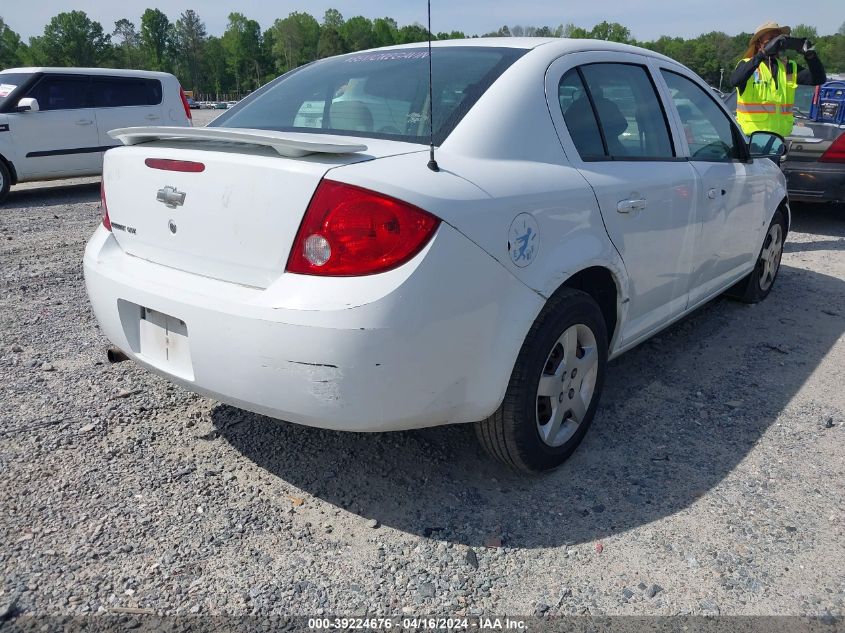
column 9, row 82
column 382, row 94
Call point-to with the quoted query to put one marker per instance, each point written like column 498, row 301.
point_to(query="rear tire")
column 549, row 405
column 759, row 283
column 5, row 180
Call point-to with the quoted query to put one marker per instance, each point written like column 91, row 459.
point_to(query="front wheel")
column 758, row 284
column 554, row 388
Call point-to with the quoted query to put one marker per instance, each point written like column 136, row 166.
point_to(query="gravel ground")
column 711, row 481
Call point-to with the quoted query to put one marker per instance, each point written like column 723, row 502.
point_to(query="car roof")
column 113, row 72
column 552, row 47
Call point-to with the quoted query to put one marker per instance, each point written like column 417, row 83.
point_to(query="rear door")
column 731, row 199
column 125, row 102
column 615, row 132
column 61, row 138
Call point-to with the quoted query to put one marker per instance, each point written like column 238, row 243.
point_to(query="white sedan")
column 304, row 258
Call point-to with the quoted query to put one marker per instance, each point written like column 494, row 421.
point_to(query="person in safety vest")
column 765, row 81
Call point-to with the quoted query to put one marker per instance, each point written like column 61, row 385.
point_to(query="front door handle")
column 84, row 122
column 714, row 193
column 626, row 206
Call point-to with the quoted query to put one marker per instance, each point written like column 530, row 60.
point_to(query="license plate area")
column 163, row 342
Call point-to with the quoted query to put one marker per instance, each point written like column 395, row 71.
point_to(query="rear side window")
column 67, row 92
column 709, row 132
column 115, row 92
column 377, row 94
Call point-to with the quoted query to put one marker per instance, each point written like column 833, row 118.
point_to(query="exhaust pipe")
column 116, row 355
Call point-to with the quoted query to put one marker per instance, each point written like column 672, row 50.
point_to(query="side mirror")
column 27, row 104
column 767, row 145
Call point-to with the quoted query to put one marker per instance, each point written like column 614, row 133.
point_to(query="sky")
column 647, row 19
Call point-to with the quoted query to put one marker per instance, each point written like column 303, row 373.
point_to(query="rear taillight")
column 105, row 207
column 185, row 103
column 349, row 231
column 836, row 152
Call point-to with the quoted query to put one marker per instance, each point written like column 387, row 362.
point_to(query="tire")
column 570, row 334
column 759, row 283
column 5, row 180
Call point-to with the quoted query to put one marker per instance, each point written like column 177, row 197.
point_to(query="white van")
column 54, row 122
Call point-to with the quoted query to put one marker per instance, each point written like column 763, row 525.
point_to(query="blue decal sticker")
column 523, row 239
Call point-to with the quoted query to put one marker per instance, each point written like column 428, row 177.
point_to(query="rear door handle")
column 152, row 117
column 626, row 206
column 714, row 193
column 84, row 122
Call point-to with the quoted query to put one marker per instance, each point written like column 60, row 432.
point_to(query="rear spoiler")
column 291, row 144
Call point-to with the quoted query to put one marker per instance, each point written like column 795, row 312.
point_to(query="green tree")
column 502, row 32
column 358, row 33
column 72, row 39
column 805, row 31
column 156, row 40
column 296, row 39
column 188, row 44
column 10, row 47
column 127, row 52
column 333, row 18
column 384, row 32
column 831, row 50
column 330, row 43
column 611, row 32
column 242, row 42
column 215, row 78
column 574, row 32
column 411, row 33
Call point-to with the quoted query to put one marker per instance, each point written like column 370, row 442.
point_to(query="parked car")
column 54, row 122
column 341, row 276
column 193, row 105
column 815, row 165
column 221, row 105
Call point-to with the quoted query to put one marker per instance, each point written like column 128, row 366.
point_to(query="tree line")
column 245, row 56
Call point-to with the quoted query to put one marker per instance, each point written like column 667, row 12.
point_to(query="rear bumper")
column 435, row 346
column 815, row 182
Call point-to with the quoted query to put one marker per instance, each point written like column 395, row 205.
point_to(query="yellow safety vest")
column 764, row 105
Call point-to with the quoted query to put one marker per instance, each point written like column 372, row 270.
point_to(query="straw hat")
column 766, row 27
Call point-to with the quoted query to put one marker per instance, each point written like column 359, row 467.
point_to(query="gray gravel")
column 711, row 481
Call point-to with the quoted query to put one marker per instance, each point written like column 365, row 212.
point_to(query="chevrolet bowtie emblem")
column 171, row 197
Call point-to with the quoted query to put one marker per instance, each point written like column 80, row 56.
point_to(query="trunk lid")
column 238, row 217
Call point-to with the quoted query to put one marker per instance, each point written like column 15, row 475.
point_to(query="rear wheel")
column 758, row 284
column 5, row 180
column 554, row 388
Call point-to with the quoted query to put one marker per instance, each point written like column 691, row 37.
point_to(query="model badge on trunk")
column 171, row 197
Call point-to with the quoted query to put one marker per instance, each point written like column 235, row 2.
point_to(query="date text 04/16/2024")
column 418, row 623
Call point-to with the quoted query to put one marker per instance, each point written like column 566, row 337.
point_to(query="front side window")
column 377, row 94
column 708, row 130
column 60, row 93
column 9, row 82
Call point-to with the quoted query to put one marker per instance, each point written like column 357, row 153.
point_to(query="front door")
column 61, row 138
column 731, row 199
column 614, row 130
